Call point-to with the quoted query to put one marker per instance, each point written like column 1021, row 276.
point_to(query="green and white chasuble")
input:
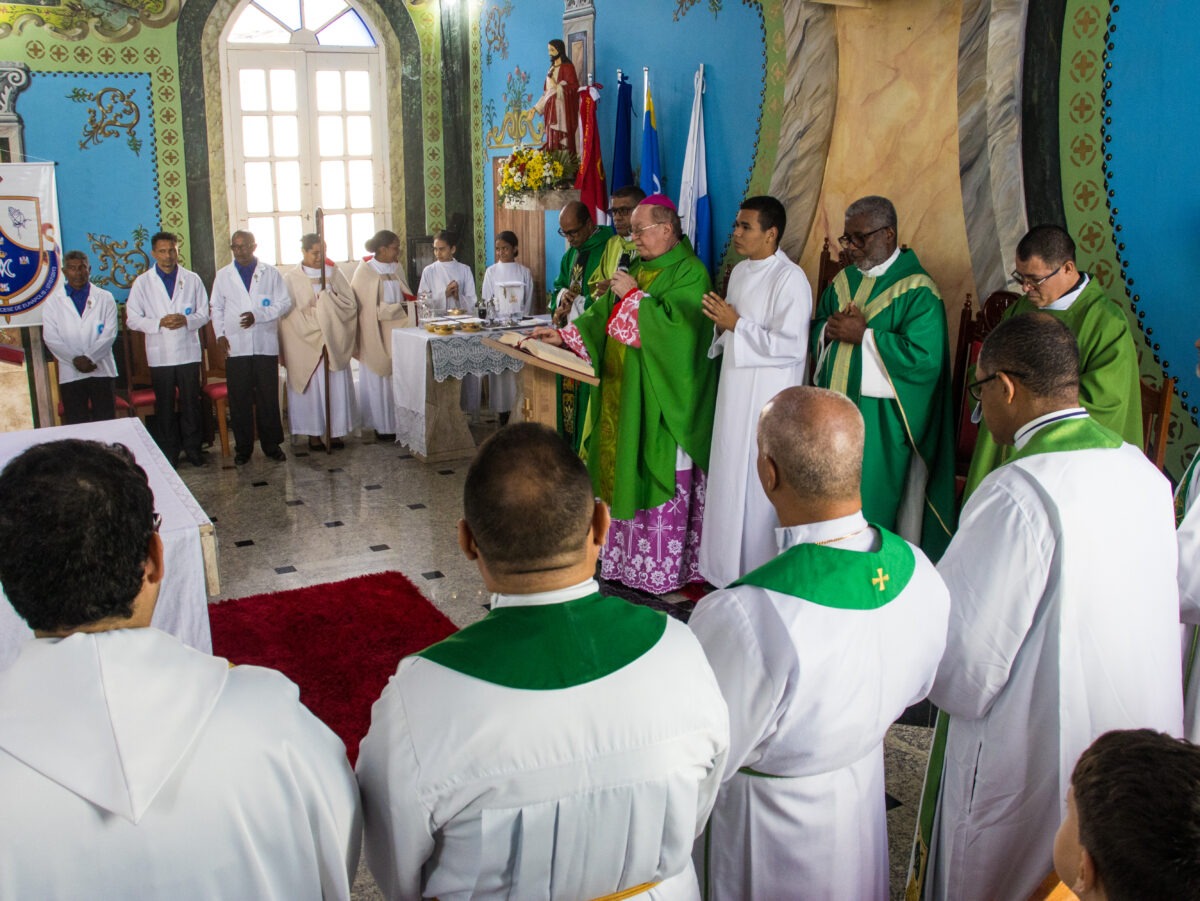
column 1065, row 625
column 817, row 653
column 575, row 273
column 1108, row 373
column 908, row 460
column 568, row 746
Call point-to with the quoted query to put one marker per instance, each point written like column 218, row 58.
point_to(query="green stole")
column 1075, row 434
column 1108, row 374
column 544, row 647
column 656, row 398
column 908, row 319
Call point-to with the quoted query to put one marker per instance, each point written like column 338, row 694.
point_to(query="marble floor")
column 372, row 507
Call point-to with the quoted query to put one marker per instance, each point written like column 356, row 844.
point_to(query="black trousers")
column 173, row 432
column 88, row 400
column 254, row 393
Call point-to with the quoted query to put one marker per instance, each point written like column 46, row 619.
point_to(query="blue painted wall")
column 631, row 34
column 106, row 188
column 1155, row 195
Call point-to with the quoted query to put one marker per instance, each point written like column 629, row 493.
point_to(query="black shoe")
column 196, row 458
column 385, row 436
column 241, row 459
column 276, row 454
column 337, row 443
column 316, row 444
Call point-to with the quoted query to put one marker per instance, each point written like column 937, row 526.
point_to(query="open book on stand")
column 560, row 356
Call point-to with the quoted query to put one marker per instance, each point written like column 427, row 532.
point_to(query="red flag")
column 590, row 181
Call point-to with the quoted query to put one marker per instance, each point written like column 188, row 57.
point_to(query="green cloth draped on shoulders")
column 592, row 250
column 1109, row 380
column 664, row 393
column 904, row 310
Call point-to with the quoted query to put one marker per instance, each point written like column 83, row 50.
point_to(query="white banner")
column 30, row 252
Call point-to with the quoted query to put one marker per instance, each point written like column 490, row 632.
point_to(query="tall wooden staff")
column 328, row 436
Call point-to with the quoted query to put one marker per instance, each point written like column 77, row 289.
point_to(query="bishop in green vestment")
column 879, row 337
column 648, row 340
column 570, row 295
column 1109, row 386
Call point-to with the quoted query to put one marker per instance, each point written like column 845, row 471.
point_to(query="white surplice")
column 472, row 790
column 510, row 285
column 134, row 767
column 1188, row 537
column 811, row 691
column 1064, row 625
column 764, row 354
column 437, row 275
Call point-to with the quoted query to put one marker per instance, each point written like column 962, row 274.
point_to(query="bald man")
column 817, row 652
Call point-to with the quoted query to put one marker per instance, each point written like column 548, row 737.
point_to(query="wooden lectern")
column 538, row 384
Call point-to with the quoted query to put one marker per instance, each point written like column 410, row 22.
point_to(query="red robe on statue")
column 559, row 107
column 590, row 181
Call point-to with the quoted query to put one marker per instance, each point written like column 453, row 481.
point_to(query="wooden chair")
column 1156, row 419
column 972, row 329
column 215, row 387
column 134, row 394
column 829, row 267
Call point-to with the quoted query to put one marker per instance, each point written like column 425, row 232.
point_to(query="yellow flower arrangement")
column 532, row 170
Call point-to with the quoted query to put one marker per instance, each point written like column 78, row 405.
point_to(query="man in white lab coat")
column 79, row 325
column 1064, row 621
column 817, row 652
column 132, row 766
column 569, row 745
column 248, row 299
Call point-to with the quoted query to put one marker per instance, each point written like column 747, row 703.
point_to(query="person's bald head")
column 810, row 440
column 575, row 223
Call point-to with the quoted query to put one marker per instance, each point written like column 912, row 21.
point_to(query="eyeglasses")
column 621, row 211
column 1028, row 281
column 859, row 239
column 571, row 232
column 976, row 388
column 645, row 228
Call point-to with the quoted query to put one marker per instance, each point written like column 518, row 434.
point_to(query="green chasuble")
column 1108, row 374
column 655, row 398
column 544, row 647
column 906, row 315
column 575, row 272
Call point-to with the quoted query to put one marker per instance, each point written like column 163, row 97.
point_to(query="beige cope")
column 317, row 320
column 376, row 318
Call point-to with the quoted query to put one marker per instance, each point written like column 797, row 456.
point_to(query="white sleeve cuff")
column 874, row 380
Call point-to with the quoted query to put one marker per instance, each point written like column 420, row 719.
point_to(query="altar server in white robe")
column 318, row 334
column 817, row 653
column 132, row 766
column 451, row 286
column 509, row 285
column 566, row 747
column 1064, row 621
column 761, row 336
column 381, row 292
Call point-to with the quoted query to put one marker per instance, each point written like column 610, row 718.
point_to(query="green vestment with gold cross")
column 655, row 398
column 908, row 321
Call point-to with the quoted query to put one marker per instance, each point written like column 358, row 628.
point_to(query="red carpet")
column 339, row 641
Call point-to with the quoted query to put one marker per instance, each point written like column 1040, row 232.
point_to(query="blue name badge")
column 266, row 301
column 100, row 329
